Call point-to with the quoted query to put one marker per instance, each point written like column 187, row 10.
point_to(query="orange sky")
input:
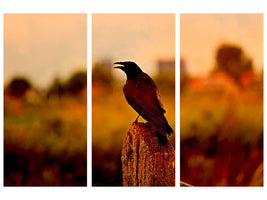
column 201, row 34
column 143, row 38
column 42, row 46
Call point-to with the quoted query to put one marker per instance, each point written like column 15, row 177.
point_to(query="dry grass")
column 48, row 137
column 222, row 138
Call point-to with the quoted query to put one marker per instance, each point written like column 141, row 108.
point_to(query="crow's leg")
column 136, row 119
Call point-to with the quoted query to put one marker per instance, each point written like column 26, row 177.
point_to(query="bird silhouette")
column 142, row 94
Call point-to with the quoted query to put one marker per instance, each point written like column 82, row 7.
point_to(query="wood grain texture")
column 144, row 161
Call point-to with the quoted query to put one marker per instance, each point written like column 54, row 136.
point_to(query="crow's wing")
column 145, row 104
column 144, row 97
column 159, row 101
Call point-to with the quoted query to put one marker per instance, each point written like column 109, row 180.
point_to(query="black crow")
column 142, row 94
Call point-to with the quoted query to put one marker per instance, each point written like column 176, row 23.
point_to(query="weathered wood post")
column 144, row 161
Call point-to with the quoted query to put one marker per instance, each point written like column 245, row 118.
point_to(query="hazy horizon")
column 42, row 47
column 202, row 34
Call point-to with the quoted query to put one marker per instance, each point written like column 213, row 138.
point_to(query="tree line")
column 19, row 85
column 230, row 59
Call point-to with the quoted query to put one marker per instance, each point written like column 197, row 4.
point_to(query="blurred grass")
column 222, row 138
column 200, row 114
column 63, row 124
column 48, row 136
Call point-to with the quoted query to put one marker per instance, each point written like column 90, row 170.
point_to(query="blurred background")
column 45, row 100
column 221, row 99
column 148, row 40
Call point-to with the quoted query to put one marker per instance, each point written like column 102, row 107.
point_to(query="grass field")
column 45, row 143
column 222, row 138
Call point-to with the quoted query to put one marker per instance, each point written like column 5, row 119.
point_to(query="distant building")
column 166, row 65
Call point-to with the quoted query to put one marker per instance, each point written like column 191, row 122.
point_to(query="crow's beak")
column 122, row 67
column 119, row 63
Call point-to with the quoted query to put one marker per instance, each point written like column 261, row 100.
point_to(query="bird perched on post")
column 142, row 94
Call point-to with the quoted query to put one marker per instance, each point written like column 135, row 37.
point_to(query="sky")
column 44, row 46
column 202, row 34
column 142, row 38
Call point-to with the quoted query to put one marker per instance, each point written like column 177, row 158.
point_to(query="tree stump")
column 144, row 161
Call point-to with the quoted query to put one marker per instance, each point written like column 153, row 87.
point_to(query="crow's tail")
column 162, row 125
column 162, row 139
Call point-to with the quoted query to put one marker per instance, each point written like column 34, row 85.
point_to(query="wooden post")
column 144, row 161
column 184, row 184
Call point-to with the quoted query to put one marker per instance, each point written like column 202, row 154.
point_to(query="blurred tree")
column 18, row 87
column 232, row 60
column 102, row 75
column 57, row 89
column 77, row 82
